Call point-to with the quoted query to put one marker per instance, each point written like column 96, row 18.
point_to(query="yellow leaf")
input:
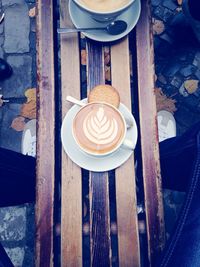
column 191, row 86
column 32, row 12
column 30, row 94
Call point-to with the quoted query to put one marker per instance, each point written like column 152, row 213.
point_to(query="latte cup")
column 105, row 10
column 99, row 129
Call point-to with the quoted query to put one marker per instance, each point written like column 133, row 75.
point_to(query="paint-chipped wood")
column 128, row 236
column 100, row 244
column 148, row 133
column 71, row 192
column 45, row 135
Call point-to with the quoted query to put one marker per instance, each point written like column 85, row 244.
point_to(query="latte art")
column 99, row 129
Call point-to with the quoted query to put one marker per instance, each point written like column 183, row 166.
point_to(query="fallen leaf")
column 191, row 86
column 28, row 110
column 164, row 102
column 32, row 12
column 107, row 73
column 106, row 56
column 18, row 124
column 158, row 26
column 83, row 57
column 30, row 94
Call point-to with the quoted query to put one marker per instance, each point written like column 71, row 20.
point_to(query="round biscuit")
column 104, row 93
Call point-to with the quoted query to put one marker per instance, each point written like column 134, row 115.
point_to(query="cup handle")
column 128, row 144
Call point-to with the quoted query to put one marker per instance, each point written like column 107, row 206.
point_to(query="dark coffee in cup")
column 99, row 128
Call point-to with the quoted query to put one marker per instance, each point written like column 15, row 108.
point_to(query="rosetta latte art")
column 100, row 129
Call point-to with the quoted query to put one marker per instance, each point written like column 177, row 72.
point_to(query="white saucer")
column 81, row 20
column 92, row 163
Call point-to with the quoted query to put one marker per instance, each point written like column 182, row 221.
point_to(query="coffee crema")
column 98, row 128
column 104, row 5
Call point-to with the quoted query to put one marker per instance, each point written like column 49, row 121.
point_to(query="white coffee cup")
column 104, row 15
column 103, row 122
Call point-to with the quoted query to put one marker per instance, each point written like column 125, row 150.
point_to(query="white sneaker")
column 29, row 139
column 166, row 125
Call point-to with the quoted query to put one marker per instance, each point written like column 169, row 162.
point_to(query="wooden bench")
column 55, row 169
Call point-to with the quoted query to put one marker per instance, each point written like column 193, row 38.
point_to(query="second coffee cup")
column 104, row 10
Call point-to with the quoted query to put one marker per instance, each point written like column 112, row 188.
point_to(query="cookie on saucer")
column 104, row 93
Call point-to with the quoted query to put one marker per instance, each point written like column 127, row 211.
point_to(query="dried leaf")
column 106, row 57
column 32, row 12
column 83, row 57
column 164, row 102
column 107, row 73
column 28, row 110
column 18, row 124
column 191, row 86
column 158, row 26
column 30, row 94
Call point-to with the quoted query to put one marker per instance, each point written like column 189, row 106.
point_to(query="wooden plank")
column 149, row 136
column 100, row 220
column 128, row 237
column 45, row 134
column 71, row 204
column 99, row 193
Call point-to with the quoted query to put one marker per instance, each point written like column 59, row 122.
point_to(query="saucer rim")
column 99, row 160
column 107, row 37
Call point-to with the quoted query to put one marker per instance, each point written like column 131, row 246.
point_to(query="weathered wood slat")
column 71, row 204
column 45, row 134
column 99, row 193
column 128, row 236
column 149, row 137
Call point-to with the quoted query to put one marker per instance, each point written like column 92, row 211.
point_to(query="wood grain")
column 149, row 135
column 71, row 204
column 128, row 237
column 45, row 134
column 99, row 193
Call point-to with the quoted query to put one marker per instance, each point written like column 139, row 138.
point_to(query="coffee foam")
column 104, row 5
column 98, row 128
